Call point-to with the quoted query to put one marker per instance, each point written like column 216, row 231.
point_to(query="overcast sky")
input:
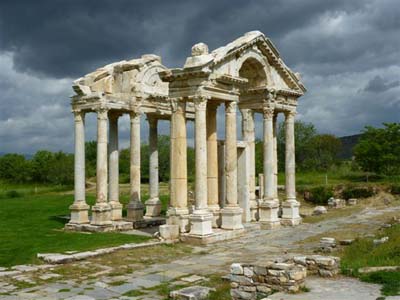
column 348, row 53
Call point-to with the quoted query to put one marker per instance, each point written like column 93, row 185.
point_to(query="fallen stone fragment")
column 377, row 269
column 346, row 242
column 191, row 293
column 381, row 240
column 319, row 210
column 193, row 278
column 352, row 201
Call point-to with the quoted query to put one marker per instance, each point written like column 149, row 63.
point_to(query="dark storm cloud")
column 346, row 51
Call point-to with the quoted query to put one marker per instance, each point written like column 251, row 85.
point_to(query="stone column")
column 270, row 205
column 135, row 207
column 290, row 208
column 275, row 129
column 248, row 132
column 231, row 214
column 201, row 219
column 178, row 213
column 153, row 205
column 79, row 209
column 101, row 211
column 212, row 164
column 113, row 179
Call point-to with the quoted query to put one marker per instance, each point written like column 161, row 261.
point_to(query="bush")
column 390, row 281
column 13, row 194
column 319, row 195
column 357, row 192
column 395, row 189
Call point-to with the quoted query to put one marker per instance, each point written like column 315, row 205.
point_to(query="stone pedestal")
column 180, row 217
column 269, row 214
column 153, row 207
column 290, row 213
column 135, row 211
column 231, row 218
column 216, row 212
column 79, row 213
column 101, row 214
column 169, row 232
column 254, row 214
column 116, row 210
column 201, row 223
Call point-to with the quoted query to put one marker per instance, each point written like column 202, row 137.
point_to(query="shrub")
column 320, row 195
column 13, row 194
column 357, row 192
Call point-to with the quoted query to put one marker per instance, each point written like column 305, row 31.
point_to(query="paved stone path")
column 142, row 283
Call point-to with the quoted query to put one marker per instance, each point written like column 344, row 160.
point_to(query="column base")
column 101, row 214
column 268, row 210
column 153, row 207
column 231, row 218
column 116, row 210
column 180, row 217
column 290, row 213
column 135, row 211
column 201, row 223
column 254, row 213
column 79, row 213
column 216, row 211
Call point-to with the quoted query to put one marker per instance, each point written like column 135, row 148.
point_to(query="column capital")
column 200, row 102
column 79, row 115
column 290, row 114
column 230, row 107
column 114, row 115
column 268, row 112
column 153, row 120
column 178, row 105
column 102, row 113
column 134, row 115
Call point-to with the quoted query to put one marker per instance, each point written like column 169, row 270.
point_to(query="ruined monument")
column 247, row 74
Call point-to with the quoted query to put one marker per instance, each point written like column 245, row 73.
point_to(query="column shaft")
column 232, row 213
column 275, row 129
column 101, row 212
column 135, row 206
column 116, row 207
column 290, row 162
column 153, row 205
column 79, row 209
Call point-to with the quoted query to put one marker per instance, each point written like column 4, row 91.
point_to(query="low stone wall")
column 324, row 266
column 250, row 282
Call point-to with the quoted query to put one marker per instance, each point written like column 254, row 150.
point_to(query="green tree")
column 42, row 162
column 322, row 153
column 15, row 168
column 90, row 157
column 378, row 149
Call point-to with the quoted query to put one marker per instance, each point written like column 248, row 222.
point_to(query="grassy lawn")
column 363, row 253
column 29, row 225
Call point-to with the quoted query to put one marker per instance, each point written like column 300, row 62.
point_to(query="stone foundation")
column 324, row 266
column 113, row 226
column 251, row 282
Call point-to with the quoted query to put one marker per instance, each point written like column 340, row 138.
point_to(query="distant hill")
column 348, row 143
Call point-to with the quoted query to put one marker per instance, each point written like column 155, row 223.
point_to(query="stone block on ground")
column 191, row 293
column 319, row 210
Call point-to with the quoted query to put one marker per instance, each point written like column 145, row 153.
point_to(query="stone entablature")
column 247, row 75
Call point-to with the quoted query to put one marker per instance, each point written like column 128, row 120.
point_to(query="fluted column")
column 232, row 213
column 79, row 209
column 269, row 206
column 248, row 132
column 201, row 219
column 116, row 206
column 101, row 211
column 135, row 207
column 153, row 205
column 290, row 208
column 212, row 164
column 178, row 213
column 275, row 129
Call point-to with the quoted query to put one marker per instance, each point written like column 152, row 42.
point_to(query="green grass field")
column 363, row 253
column 30, row 223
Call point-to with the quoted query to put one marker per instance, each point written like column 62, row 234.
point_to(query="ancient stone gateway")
column 247, row 74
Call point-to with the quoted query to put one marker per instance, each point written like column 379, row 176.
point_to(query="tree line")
column 377, row 151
